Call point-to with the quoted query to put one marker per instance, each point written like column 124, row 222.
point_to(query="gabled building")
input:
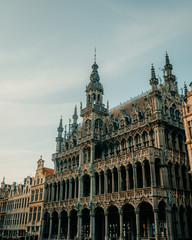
column 36, row 201
column 4, row 193
column 17, row 210
column 122, row 173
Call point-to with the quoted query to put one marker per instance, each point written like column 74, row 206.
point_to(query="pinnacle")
column 153, row 75
column 167, row 59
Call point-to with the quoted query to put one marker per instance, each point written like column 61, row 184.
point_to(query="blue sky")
column 46, row 53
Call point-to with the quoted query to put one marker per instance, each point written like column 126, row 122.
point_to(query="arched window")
column 157, row 172
column 139, row 176
column 86, row 185
column 177, row 176
column 130, row 144
column 174, row 140
column 170, row 176
column 137, row 141
column 123, row 145
column 177, row 114
column 145, row 139
column 184, row 177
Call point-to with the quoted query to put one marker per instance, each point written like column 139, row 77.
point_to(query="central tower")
column 94, row 96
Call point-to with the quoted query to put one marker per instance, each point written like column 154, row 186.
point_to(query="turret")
column 94, row 94
column 169, row 78
column 153, row 81
column 75, row 117
column 59, row 138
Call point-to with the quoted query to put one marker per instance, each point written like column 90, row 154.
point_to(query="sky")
column 46, row 54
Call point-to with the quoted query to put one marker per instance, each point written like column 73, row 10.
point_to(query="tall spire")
column 185, row 89
column 168, row 66
column 153, row 81
column 75, row 117
column 60, row 128
column 59, row 138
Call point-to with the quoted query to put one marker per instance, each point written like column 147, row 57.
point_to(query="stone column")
column 99, row 174
column 59, row 227
column 80, row 226
column 180, row 176
column 50, row 227
column 58, row 191
column 119, row 180
column 53, row 191
column 153, row 177
column 138, row 224
column 93, row 183
column 186, row 225
column 169, row 224
column 135, row 175
column 156, row 218
column 79, row 189
column 70, row 188
column 75, row 188
column 66, row 190
column 69, row 227
column 50, row 189
column 106, row 227
column 113, row 181
column 61, row 190
column 42, row 228
column 121, row 224
column 92, row 225
column 173, row 175
column 106, row 182
column 127, row 178
column 143, row 173
column 178, row 224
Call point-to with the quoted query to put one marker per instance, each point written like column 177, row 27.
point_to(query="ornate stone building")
column 21, row 205
column 17, row 210
column 123, row 173
column 4, row 194
column 33, row 226
column 187, row 119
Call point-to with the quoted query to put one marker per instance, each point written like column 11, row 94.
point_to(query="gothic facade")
column 122, row 173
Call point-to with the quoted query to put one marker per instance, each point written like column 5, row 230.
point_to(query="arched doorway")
column 162, row 219
column 99, row 224
column 129, row 222
column 55, row 221
column 113, row 223
column 85, row 223
column 46, row 225
column 64, row 224
column 73, row 224
column 147, row 225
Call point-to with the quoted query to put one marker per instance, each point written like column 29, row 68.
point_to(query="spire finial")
column 167, row 58
column 95, row 55
column 185, row 88
column 153, row 76
column 153, row 81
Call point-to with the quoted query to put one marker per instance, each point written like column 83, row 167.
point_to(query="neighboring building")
column 36, row 200
column 24, row 205
column 187, row 119
column 123, row 173
column 17, row 210
column 4, row 193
